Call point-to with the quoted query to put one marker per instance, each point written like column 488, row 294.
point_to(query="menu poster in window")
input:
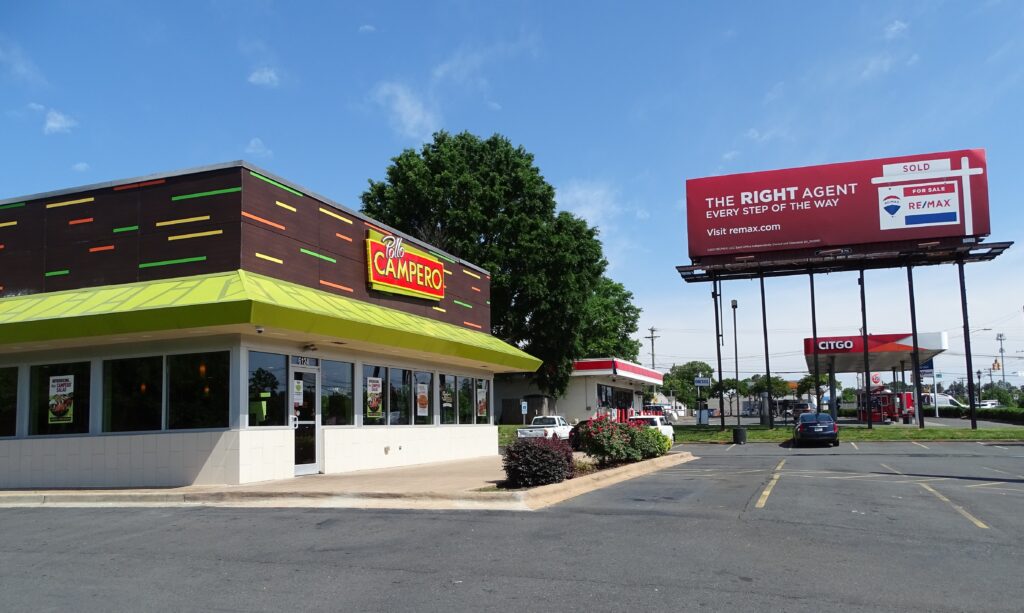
column 297, row 392
column 481, row 402
column 446, row 399
column 61, row 408
column 422, row 400
column 374, row 397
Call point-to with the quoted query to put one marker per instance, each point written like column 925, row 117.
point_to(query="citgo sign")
column 399, row 269
column 910, row 198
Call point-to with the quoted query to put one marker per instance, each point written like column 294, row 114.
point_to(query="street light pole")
column 1002, row 355
column 736, row 361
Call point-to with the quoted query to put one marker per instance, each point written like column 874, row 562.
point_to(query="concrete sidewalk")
column 460, row 484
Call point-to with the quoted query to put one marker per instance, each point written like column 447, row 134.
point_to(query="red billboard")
column 907, row 198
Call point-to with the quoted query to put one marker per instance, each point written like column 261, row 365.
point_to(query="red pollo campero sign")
column 399, row 269
column 889, row 200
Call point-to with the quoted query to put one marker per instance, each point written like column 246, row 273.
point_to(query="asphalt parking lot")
column 876, row 526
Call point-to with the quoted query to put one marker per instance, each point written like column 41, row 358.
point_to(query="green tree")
column 485, row 201
column 806, row 386
column 759, row 385
column 680, row 380
column 610, row 319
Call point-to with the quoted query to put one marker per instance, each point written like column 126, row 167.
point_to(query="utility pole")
column 652, row 337
column 1002, row 355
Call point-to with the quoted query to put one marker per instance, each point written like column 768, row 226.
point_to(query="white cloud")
column 895, row 29
column 367, row 29
column 878, row 65
column 728, row 156
column 257, row 148
column 643, row 214
column 466, row 66
column 35, row 106
column 774, row 93
column 410, row 116
column 18, row 65
column 265, row 76
column 494, row 106
column 80, row 167
column 57, row 122
column 595, row 201
column 765, row 136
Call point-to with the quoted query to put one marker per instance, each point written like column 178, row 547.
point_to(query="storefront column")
column 21, row 409
column 235, row 387
column 95, row 396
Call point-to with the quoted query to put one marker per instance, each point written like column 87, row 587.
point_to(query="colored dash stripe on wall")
column 285, row 206
column 474, row 288
column 317, row 255
column 472, row 325
column 200, row 258
column 335, row 215
column 440, row 310
column 125, row 229
column 172, row 222
column 215, row 192
column 472, row 274
column 16, row 205
column 275, row 183
column 75, row 222
column 7, row 224
column 268, row 258
column 343, row 288
column 58, row 273
column 142, row 184
column 443, row 257
column 462, row 304
column 54, row 205
column 343, row 237
column 373, row 227
column 447, row 272
column 102, row 248
column 181, row 237
column 261, row 220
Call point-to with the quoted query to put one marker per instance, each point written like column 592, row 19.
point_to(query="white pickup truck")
column 658, row 423
column 551, row 426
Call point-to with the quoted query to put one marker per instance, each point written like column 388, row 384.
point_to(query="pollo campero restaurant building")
column 222, row 325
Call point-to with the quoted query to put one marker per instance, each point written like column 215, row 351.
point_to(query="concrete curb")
column 524, row 500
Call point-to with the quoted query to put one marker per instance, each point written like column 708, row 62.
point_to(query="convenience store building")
column 222, row 325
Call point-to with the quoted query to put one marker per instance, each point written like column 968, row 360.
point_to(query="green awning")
column 241, row 297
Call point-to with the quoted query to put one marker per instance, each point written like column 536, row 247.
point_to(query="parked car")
column 658, row 422
column 799, row 408
column 988, row 404
column 549, row 426
column 816, row 428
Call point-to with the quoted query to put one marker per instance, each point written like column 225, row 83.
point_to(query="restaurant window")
column 133, row 394
column 268, row 389
column 197, row 390
column 483, row 401
column 337, row 406
column 374, row 399
column 59, row 399
column 8, row 400
column 400, row 393
column 424, row 397
column 446, row 383
column 466, row 400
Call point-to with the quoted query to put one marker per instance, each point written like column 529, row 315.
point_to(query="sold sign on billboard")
column 913, row 198
column 400, row 269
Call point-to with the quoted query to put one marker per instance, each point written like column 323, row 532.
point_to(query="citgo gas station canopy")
column 885, row 351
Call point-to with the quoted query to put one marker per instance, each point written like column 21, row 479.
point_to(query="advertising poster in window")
column 481, row 402
column 422, row 400
column 62, row 400
column 447, row 399
column 374, row 397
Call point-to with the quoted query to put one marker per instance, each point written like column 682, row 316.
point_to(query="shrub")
column 606, row 441
column 651, row 443
column 533, row 462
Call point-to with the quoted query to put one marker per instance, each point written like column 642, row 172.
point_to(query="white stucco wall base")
column 266, row 454
column 349, row 449
column 136, row 460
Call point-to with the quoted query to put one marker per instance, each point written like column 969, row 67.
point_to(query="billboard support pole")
column 833, row 402
column 814, row 333
column 718, row 349
column 767, row 363
column 915, row 360
column 864, row 339
column 967, row 347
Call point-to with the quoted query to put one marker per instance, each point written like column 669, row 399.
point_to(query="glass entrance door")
column 305, row 418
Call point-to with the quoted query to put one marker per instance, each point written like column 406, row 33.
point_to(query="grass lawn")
column 507, row 434
column 761, row 434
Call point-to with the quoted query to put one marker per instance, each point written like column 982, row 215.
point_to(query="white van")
column 945, row 400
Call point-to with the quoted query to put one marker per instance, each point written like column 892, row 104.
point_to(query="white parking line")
column 730, row 447
column 919, row 444
column 986, row 484
column 1001, row 447
column 855, row 445
column 886, row 466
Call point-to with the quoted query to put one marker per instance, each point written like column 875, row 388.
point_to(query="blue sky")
column 619, row 102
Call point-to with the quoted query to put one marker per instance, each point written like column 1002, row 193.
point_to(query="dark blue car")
column 816, row 428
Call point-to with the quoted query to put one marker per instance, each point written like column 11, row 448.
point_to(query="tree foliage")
column 680, row 381
column 759, row 385
column 610, row 319
column 485, row 201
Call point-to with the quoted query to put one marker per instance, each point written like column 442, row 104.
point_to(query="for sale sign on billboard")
column 911, row 198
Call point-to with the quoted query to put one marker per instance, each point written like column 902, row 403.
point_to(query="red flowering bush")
column 609, row 441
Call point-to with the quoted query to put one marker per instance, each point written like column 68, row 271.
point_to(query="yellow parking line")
column 771, row 484
column 959, row 509
column 919, row 444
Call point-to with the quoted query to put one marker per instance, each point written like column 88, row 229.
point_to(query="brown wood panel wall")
column 208, row 222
